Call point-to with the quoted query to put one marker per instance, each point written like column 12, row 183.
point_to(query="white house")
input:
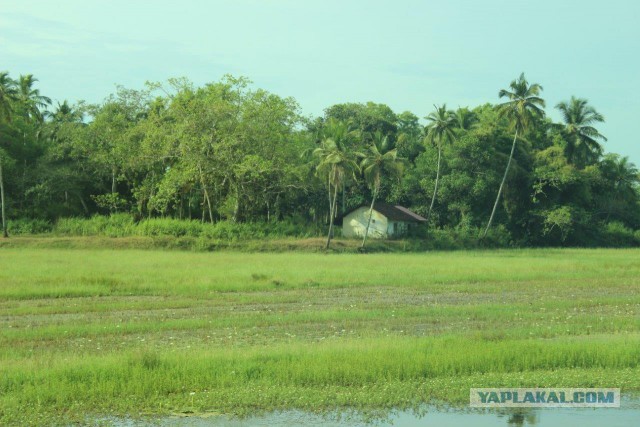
column 386, row 221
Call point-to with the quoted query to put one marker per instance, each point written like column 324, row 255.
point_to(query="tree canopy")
column 227, row 151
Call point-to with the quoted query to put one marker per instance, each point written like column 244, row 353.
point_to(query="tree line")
column 226, row 151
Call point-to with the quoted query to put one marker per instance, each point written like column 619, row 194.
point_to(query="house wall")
column 355, row 224
column 397, row 228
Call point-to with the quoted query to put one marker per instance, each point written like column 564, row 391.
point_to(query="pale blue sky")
column 408, row 54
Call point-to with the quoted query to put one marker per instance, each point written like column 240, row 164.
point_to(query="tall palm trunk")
column 329, row 192
column 333, row 211
column 208, row 199
column 4, row 217
column 205, row 193
column 236, row 205
column 504, row 178
column 84, row 205
column 435, row 189
column 113, row 181
column 366, row 232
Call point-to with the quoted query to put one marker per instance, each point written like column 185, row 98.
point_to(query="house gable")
column 386, row 221
column 354, row 223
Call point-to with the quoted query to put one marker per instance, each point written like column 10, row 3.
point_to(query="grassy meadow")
column 98, row 332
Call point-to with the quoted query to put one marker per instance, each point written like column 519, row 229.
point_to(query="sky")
column 408, row 54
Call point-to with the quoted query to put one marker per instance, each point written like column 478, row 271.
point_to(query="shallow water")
column 628, row 415
column 543, row 418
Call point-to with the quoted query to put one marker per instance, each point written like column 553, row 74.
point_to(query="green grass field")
column 97, row 332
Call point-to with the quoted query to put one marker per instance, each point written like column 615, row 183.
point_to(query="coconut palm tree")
column 439, row 131
column 378, row 160
column 30, row 105
column 8, row 96
column 62, row 115
column 582, row 138
column 335, row 163
column 65, row 113
column 465, row 119
column 624, row 178
column 30, row 101
column 622, row 172
column 523, row 105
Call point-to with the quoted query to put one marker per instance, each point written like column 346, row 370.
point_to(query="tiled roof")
column 397, row 213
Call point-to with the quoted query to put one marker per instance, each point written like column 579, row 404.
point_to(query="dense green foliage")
column 228, row 152
column 124, row 225
column 100, row 332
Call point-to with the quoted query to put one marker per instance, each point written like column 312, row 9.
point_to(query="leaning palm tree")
column 582, row 142
column 378, row 160
column 523, row 106
column 335, row 163
column 8, row 96
column 439, row 131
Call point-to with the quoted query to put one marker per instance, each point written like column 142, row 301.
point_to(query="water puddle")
column 625, row 416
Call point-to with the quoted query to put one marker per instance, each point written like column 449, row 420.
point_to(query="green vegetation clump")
column 26, row 227
column 116, row 225
column 285, row 235
column 125, row 225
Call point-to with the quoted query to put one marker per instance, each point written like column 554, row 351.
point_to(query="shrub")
column 467, row 238
column 115, row 225
column 616, row 234
column 24, row 226
column 120, row 225
column 169, row 227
